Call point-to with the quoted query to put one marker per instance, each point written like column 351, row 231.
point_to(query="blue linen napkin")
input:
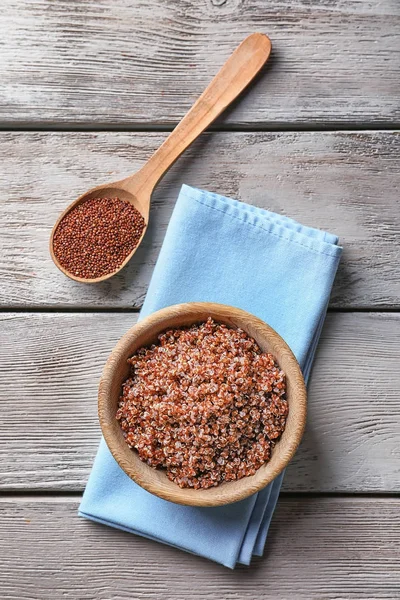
column 220, row 250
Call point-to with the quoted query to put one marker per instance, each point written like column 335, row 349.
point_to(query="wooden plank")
column 125, row 63
column 347, row 183
column 49, row 370
column 317, row 548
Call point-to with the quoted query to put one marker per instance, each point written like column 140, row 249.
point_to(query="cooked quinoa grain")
column 205, row 403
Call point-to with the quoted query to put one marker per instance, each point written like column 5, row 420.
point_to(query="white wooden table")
column 88, row 90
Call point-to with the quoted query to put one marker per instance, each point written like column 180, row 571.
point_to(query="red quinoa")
column 205, row 403
column 95, row 237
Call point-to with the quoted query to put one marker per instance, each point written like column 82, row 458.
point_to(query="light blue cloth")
column 220, row 250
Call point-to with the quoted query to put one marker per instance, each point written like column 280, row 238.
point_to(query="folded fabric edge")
column 269, row 512
column 84, row 515
column 253, row 528
column 316, row 240
column 276, row 485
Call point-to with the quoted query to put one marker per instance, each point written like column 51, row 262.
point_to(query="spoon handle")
column 240, row 68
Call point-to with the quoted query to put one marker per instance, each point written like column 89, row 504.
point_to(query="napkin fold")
column 219, row 250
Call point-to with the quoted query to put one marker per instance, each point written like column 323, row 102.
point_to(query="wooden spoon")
column 235, row 75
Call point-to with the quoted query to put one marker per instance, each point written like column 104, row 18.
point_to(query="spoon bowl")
column 117, row 189
column 240, row 68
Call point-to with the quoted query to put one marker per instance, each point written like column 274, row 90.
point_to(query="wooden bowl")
column 145, row 333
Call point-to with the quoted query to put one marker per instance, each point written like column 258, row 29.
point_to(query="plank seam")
column 281, row 127
column 27, row 493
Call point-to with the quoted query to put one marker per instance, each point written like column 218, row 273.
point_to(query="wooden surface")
column 116, row 62
column 352, row 437
column 327, row 548
column 347, row 183
column 89, row 91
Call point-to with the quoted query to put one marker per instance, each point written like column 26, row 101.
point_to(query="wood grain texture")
column 117, row 62
column 50, row 365
column 347, row 183
column 317, row 548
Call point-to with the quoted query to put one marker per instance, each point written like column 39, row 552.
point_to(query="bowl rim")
column 117, row 444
